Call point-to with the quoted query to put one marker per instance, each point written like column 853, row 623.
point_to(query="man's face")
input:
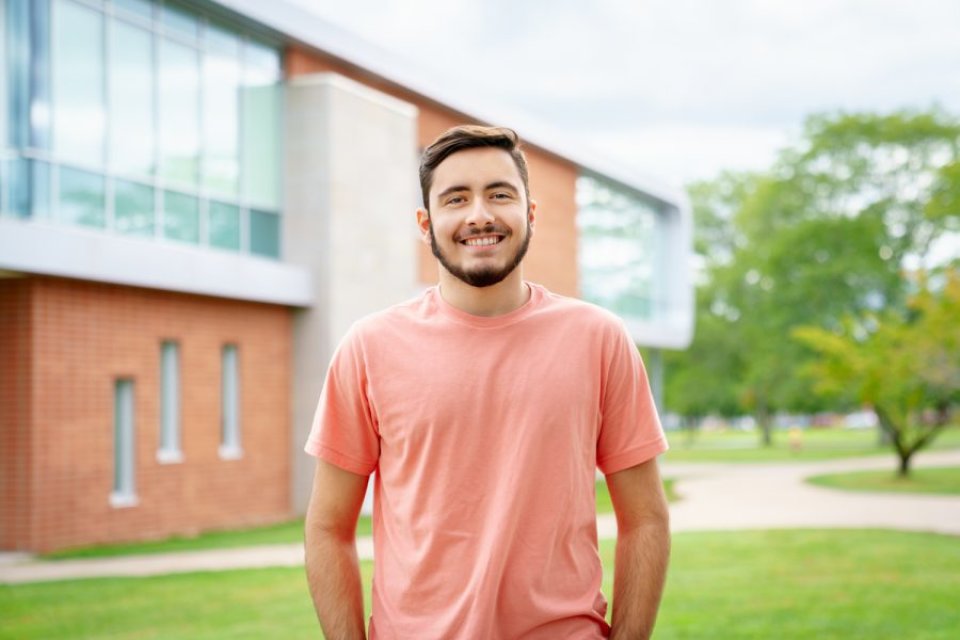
column 480, row 222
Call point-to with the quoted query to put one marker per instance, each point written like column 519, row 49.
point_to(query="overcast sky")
column 680, row 89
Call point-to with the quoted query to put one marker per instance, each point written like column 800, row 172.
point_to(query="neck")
column 509, row 294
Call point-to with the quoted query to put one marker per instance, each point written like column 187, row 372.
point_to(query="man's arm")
column 643, row 549
column 333, row 570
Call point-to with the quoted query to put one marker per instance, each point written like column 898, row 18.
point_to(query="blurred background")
column 197, row 199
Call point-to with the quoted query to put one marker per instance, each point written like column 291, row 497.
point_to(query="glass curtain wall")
column 142, row 118
column 621, row 248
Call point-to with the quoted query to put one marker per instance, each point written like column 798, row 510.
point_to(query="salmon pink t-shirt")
column 485, row 433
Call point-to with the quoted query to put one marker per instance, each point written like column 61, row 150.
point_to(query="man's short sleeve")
column 630, row 431
column 344, row 431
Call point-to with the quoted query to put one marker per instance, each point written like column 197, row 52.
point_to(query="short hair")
column 470, row 136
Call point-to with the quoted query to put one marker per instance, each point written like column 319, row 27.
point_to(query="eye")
column 502, row 195
column 452, row 200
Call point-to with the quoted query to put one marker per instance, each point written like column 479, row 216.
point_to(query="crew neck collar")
column 488, row 322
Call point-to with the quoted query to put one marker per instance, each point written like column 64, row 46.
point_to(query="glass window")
column 32, row 42
column 264, row 233
column 260, row 127
column 620, row 248
column 25, row 188
column 142, row 8
column 133, row 208
column 132, row 143
column 78, row 83
column 124, row 470
column 177, row 20
column 169, row 402
column 230, row 403
column 181, row 217
column 81, row 198
column 179, row 113
column 224, row 226
column 40, row 189
column 221, row 113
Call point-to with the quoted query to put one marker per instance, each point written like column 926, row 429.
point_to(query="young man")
column 485, row 406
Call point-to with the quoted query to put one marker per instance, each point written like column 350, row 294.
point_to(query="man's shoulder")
column 580, row 312
column 395, row 316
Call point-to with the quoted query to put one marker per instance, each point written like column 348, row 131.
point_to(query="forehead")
column 476, row 168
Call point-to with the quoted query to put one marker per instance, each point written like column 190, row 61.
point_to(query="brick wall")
column 85, row 336
column 552, row 260
column 15, row 414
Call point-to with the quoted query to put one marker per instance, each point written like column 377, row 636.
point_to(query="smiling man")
column 485, row 406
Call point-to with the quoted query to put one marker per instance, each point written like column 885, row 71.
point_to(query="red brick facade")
column 63, row 343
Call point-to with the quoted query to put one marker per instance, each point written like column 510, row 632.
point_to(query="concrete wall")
column 348, row 219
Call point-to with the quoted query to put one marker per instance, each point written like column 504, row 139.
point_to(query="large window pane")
column 179, row 113
column 26, row 188
column 224, row 226
column 31, row 56
column 78, row 82
column 181, row 217
column 81, row 198
column 131, row 100
column 221, row 112
column 133, row 210
column 620, row 249
column 261, row 118
column 265, row 234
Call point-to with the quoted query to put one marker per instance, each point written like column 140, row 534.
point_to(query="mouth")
column 482, row 241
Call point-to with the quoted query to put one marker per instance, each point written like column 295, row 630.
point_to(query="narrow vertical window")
column 124, row 471
column 169, row 403
column 230, row 399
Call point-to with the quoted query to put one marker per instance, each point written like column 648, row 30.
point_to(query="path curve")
column 729, row 496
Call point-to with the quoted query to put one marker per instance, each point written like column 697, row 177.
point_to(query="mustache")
column 486, row 230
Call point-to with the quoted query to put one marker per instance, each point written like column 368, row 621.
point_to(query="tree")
column 905, row 364
column 824, row 234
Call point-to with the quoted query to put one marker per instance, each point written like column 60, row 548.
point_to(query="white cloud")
column 706, row 84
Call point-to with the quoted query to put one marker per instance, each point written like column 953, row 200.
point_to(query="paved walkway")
column 715, row 496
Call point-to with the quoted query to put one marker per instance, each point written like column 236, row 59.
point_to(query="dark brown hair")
column 470, row 136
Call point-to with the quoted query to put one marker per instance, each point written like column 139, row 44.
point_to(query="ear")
column 423, row 222
column 532, row 214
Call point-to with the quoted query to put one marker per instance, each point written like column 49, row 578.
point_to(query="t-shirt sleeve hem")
column 633, row 457
column 341, row 460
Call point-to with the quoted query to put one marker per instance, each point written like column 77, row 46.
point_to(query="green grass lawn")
column 739, row 585
column 817, row 444
column 944, row 480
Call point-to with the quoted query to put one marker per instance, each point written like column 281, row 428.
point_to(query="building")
column 196, row 200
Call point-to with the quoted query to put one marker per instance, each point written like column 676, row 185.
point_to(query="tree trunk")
column 904, row 469
column 766, row 428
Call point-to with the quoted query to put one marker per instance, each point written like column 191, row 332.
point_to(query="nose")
column 478, row 214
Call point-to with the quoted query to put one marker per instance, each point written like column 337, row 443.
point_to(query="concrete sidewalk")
column 715, row 496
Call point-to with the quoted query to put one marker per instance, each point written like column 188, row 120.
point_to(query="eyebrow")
column 500, row 184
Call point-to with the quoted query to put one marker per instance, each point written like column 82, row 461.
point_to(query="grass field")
column 738, row 585
column 945, row 480
column 817, row 444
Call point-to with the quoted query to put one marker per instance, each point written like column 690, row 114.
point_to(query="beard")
column 485, row 276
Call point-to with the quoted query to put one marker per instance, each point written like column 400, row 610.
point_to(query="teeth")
column 481, row 242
